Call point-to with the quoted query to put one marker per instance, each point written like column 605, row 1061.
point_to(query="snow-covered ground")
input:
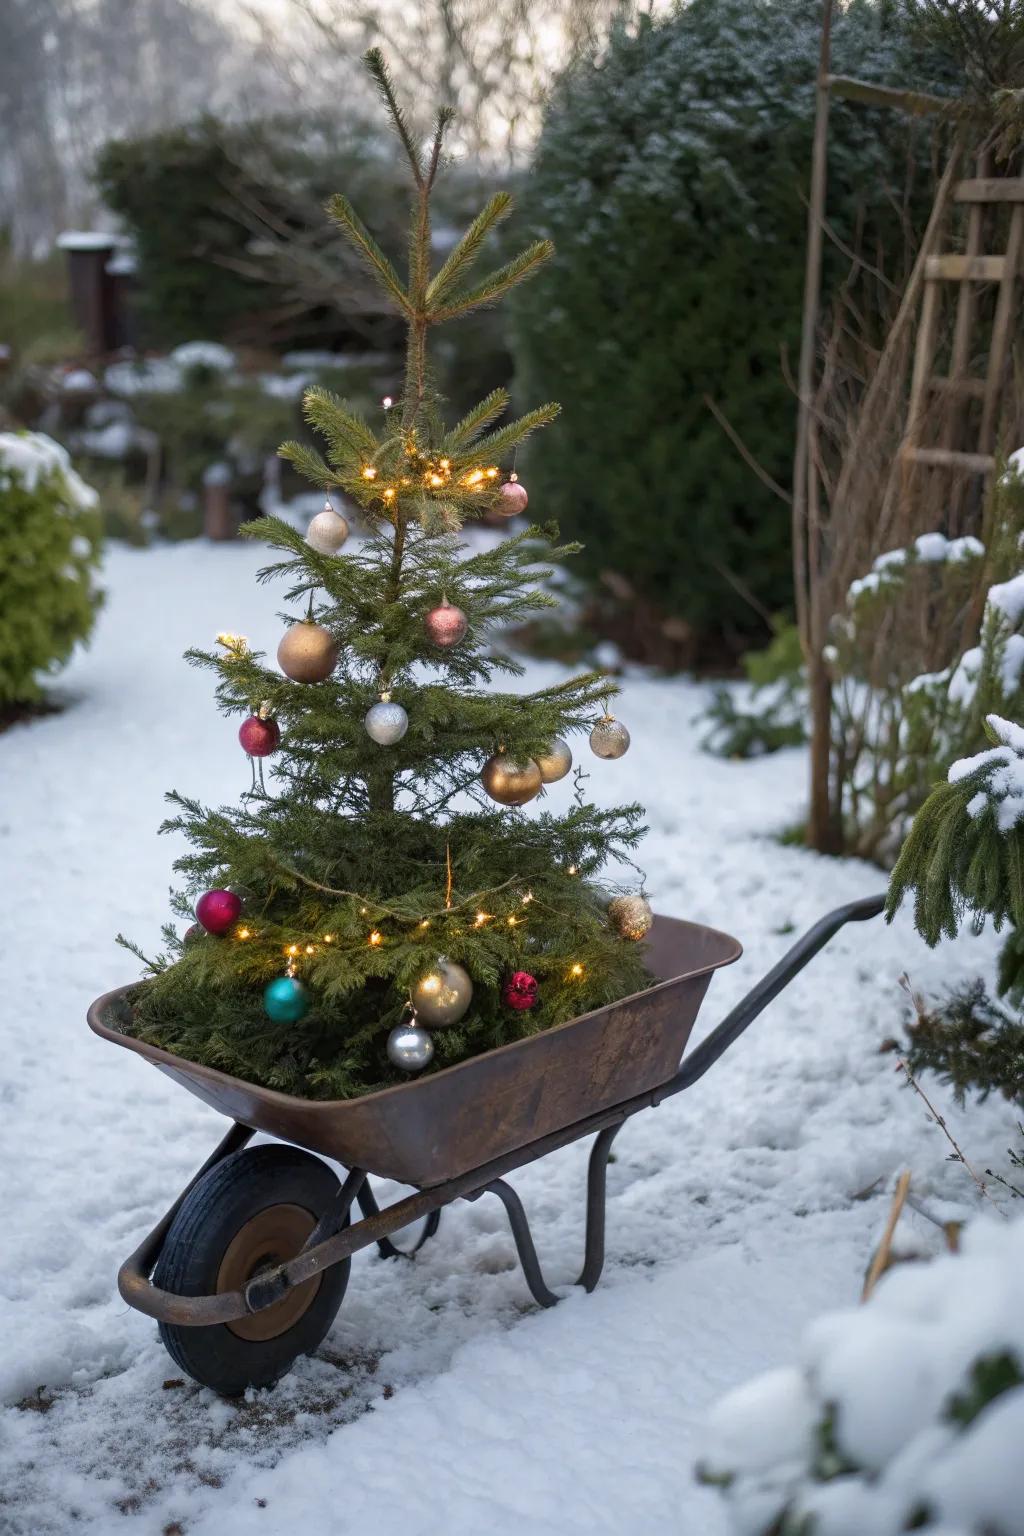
column 443, row 1400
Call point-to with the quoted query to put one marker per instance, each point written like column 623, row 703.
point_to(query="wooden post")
column 809, row 609
column 92, row 287
column 218, row 517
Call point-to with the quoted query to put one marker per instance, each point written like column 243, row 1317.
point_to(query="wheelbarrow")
column 248, row 1268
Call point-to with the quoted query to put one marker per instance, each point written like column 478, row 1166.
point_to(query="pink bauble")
column 520, row 991
column 217, row 910
column 259, row 737
column 445, row 625
column 513, row 499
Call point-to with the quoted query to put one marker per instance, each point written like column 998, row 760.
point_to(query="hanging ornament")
column 555, row 763
column 218, row 909
column 445, row 625
column 327, row 531
column 285, row 999
column 509, row 782
column 631, row 917
column 386, row 722
column 520, row 991
column 609, row 738
column 308, row 653
column 191, row 935
column 443, row 994
column 260, row 735
column 512, row 498
column 410, row 1048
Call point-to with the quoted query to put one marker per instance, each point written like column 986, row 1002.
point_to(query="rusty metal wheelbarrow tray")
column 483, row 1118
column 434, row 1128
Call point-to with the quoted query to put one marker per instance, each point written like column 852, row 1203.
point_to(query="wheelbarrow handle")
column 757, row 999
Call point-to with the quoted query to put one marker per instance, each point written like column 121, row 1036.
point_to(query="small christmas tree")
column 391, row 882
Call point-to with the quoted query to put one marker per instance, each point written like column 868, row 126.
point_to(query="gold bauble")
column 555, row 763
column 631, row 916
column 609, row 738
column 509, row 782
column 443, row 994
column 308, row 653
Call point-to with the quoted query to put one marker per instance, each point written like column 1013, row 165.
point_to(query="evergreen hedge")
column 672, row 174
column 49, row 548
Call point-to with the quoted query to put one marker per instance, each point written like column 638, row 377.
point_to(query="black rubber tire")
column 229, row 1197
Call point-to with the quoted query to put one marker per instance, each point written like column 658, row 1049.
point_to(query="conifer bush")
column 671, row 173
column 50, row 532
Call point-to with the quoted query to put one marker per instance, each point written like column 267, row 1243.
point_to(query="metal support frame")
column 336, row 1238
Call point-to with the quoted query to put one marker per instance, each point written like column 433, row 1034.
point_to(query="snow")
column 203, row 354
column 1008, row 598
column 927, row 549
column 87, row 240
column 887, row 1373
column 1002, row 787
column 153, row 376
column 34, row 457
column 78, row 381
column 442, row 1401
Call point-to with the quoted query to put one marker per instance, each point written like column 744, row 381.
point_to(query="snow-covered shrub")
column 931, row 642
column 771, row 712
column 49, row 549
column 671, row 175
column 906, row 1414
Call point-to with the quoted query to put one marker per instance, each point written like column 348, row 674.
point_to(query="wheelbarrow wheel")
column 250, row 1212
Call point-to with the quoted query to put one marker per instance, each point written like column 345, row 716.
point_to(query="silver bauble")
column 555, row 763
column 609, row 738
column 410, row 1048
column 509, row 782
column 327, row 532
column 631, row 917
column 386, row 722
column 443, row 994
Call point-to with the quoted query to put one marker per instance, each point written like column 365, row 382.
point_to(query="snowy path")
column 442, row 1401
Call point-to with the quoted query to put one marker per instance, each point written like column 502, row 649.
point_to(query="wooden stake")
column 880, row 1262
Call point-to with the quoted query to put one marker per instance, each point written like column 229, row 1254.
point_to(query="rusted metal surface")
column 433, row 1129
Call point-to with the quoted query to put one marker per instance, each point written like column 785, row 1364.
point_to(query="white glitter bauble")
column 386, row 722
column 327, row 532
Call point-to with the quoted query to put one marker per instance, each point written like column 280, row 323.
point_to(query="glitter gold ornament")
column 443, row 994
column 631, row 917
column 555, row 763
column 327, row 531
column 609, row 738
column 308, row 653
column 445, row 625
column 509, row 782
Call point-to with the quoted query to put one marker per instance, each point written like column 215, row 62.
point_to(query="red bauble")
column 259, row 737
column 513, row 499
column 520, row 991
column 217, row 910
column 445, row 625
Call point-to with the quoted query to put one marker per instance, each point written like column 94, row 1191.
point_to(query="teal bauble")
column 285, row 999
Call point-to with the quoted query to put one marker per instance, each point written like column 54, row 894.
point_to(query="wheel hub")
column 269, row 1238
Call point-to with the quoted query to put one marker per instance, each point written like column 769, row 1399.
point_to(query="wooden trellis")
column 967, row 269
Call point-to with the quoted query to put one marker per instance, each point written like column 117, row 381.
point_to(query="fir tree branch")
column 350, row 439
column 497, row 284
column 463, row 255
column 376, row 65
column 308, row 463
column 442, row 123
column 344, row 215
column 497, row 444
column 478, row 419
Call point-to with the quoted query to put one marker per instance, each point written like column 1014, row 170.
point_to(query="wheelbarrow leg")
column 597, row 1181
column 593, row 1260
column 385, row 1247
